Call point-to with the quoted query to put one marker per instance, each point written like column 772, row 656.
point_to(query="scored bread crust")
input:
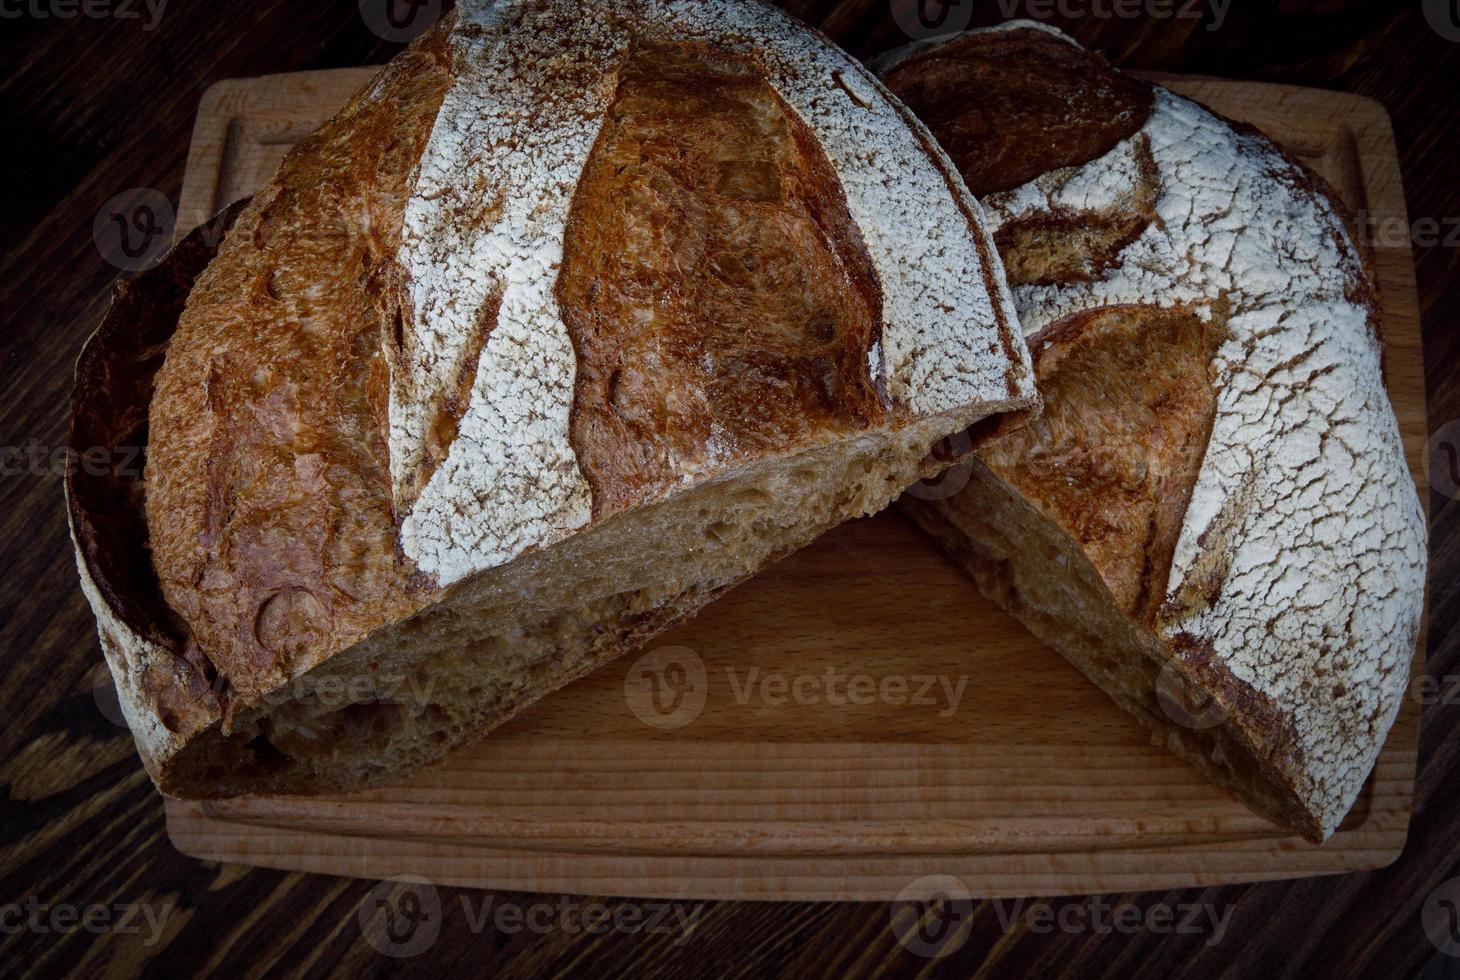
column 1218, row 448
column 386, row 409
column 537, row 80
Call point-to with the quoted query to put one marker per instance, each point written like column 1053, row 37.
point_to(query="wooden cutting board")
column 977, row 753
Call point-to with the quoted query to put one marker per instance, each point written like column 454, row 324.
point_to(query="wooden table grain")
column 98, row 99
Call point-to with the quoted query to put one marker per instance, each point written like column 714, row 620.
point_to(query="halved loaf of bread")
column 578, row 315
column 1213, row 518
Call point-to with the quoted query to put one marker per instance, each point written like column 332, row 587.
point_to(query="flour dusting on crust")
column 1301, row 562
column 939, row 320
column 492, row 197
column 487, row 219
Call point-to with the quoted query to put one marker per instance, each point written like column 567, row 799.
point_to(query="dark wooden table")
column 93, row 105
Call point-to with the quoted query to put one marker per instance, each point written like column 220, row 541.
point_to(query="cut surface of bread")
column 575, row 317
column 1214, row 507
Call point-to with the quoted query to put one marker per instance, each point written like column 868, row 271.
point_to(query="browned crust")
column 109, row 400
column 719, row 297
column 113, row 387
column 1122, row 496
column 267, row 492
column 1129, row 405
column 1003, row 124
column 267, row 484
column 1064, row 245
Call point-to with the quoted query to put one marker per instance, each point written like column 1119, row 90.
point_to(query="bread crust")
column 165, row 685
column 1013, row 131
column 1218, row 440
column 921, row 232
column 269, row 508
column 401, row 371
column 762, row 353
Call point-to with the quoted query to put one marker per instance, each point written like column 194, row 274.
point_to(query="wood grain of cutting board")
column 867, row 719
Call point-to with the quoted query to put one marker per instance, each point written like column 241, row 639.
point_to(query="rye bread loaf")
column 1214, row 508
column 575, row 317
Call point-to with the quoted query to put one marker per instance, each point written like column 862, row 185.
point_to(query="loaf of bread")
column 575, row 317
column 1214, row 508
